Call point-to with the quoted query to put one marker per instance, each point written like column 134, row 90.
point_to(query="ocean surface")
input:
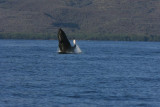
column 105, row 74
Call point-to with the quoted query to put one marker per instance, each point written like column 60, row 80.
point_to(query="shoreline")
column 99, row 37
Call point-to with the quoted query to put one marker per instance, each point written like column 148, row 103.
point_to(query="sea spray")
column 77, row 49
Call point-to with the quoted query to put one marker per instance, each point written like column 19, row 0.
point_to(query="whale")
column 64, row 44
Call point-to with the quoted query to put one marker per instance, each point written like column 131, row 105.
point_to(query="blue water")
column 105, row 74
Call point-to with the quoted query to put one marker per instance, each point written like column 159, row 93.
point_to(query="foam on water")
column 77, row 49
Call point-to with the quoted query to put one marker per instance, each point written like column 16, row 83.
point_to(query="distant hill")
column 84, row 17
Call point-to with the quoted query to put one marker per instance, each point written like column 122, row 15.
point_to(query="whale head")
column 64, row 44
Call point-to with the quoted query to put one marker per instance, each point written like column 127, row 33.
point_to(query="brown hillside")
column 81, row 16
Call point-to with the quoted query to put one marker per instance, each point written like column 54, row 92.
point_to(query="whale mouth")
column 64, row 44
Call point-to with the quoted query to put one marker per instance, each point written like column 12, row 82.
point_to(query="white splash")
column 58, row 50
column 77, row 49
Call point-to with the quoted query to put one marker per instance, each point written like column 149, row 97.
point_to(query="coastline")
column 107, row 37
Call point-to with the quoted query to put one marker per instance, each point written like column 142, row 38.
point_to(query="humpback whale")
column 64, row 44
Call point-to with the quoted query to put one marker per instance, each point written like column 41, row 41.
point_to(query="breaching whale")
column 64, row 44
